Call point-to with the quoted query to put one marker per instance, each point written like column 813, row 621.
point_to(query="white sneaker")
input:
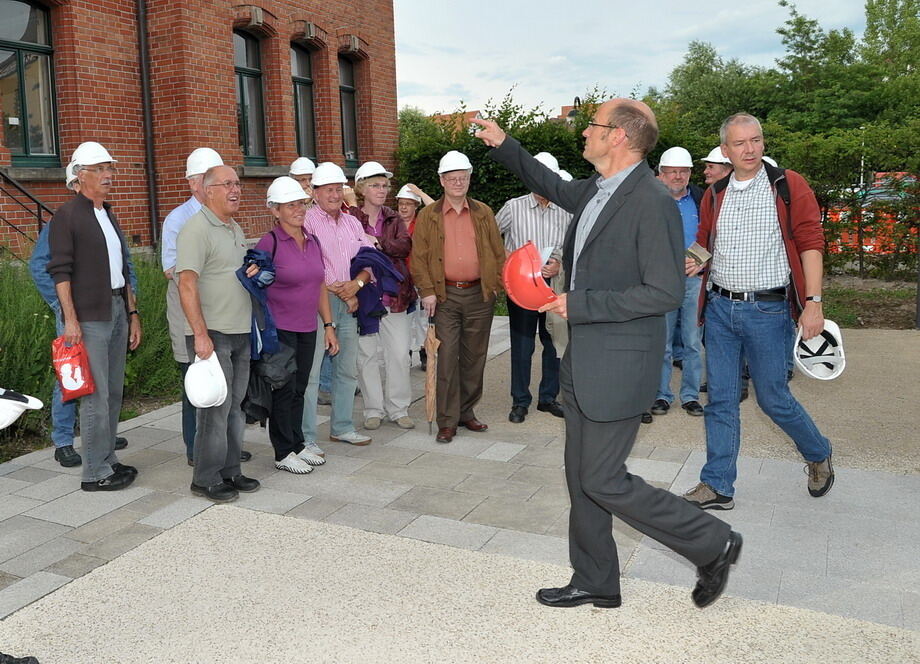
column 405, row 422
column 294, row 464
column 372, row 423
column 352, row 438
column 311, row 447
column 310, row 458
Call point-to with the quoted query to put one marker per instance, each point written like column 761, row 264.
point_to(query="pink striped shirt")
column 339, row 239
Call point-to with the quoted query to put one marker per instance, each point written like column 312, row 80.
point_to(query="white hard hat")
column 405, row 192
column 821, row 356
column 677, row 157
column 69, row 176
column 14, row 404
column 302, row 166
column 284, row 190
column 328, row 173
column 565, row 175
column 205, row 384
column 454, row 161
column 91, row 153
column 548, row 160
column 370, row 169
column 200, row 160
column 715, row 156
column 771, row 161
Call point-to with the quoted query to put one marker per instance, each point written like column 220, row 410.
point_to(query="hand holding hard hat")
column 821, row 356
column 524, row 281
column 205, row 384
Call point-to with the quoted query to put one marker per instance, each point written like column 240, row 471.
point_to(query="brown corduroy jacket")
column 427, row 258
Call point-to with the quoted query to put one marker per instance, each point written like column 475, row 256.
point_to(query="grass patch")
column 881, row 308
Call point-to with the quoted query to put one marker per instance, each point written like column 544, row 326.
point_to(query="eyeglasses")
column 456, row 179
column 379, row 186
column 229, row 184
column 606, row 126
column 101, row 169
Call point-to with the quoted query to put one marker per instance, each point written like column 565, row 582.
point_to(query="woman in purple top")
column 298, row 293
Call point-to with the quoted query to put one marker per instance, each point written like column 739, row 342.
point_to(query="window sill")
column 36, row 173
column 263, row 171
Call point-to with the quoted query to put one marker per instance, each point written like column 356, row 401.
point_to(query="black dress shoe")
column 122, row 468
column 67, row 456
column 113, row 482
column 572, row 596
column 713, row 577
column 120, row 443
column 647, row 418
column 518, row 414
column 9, row 659
column 219, row 493
column 245, row 456
column 660, row 407
column 551, row 407
column 243, row 483
column 693, row 408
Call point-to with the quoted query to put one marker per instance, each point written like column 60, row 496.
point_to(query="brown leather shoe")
column 475, row 425
column 446, row 434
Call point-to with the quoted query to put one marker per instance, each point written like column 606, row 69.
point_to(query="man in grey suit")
column 624, row 257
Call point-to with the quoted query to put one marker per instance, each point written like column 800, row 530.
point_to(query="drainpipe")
column 147, row 105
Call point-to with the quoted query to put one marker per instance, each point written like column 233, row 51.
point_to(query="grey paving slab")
column 51, row 488
column 842, row 597
column 551, row 496
column 374, row 452
column 375, row 519
column 145, row 436
column 501, row 452
column 173, row 445
column 10, row 467
column 145, row 458
column 106, row 525
column 466, row 465
column 13, row 505
column 539, row 476
column 22, row 593
column 356, row 489
column 661, row 566
column 148, row 418
column 873, row 560
column 535, row 455
column 152, row 502
column 43, row 555
column 31, row 474
column 559, row 527
column 19, row 534
column 109, row 548
column 48, row 463
column 910, row 610
column 447, row 531
column 7, row 580
column 75, row 565
column 171, row 422
column 8, row 485
column 515, row 514
column 652, row 470
column 437, row 502
column 856, row 523
column 176, row 512
column 464, row 444
column 173, row 476
column 529, row 546
column 316, row 508
column 81, row 507
column 493, row 486
column 440, row 478
column 664, row 453
column 35, row 457
column 344, row 465
column 270, row 500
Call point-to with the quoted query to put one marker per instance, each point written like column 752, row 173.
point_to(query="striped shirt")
column 339, row 240
column 523, row 219
column 749, row 254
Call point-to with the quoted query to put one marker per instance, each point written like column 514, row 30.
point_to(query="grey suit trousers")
column 600, row 487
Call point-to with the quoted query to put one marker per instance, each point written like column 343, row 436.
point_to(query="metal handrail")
column 15, row 195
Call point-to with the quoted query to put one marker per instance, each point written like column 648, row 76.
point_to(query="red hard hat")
column 521, row 275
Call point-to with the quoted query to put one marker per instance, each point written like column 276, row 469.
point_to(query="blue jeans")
column 524, row 326
column 690, row 336
column 344, row 375
column 325, row 372
column 189, row 415
column 63, row 413
column 760, row 332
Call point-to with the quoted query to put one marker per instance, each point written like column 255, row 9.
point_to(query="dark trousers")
column 463, row 324
column 284, row 423
column 600, row 487
column 524, row 325
column 189, row 416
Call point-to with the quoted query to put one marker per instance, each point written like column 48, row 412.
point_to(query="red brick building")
column 260, row 83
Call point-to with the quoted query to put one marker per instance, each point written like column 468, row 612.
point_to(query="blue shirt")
column 690, row 215
column 173, row 223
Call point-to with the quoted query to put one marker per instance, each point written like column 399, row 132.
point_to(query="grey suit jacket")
column 629, row 274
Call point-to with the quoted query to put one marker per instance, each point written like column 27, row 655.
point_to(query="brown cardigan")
column 79, row 255
column 427, row 258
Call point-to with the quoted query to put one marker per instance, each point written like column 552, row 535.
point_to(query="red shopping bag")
column 71, row 365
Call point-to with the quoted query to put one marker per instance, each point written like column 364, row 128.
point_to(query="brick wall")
column 98, row 85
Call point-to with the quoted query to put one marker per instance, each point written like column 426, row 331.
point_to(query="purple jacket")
column 396, row 243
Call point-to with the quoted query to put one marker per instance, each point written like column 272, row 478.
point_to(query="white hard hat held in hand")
column 821, row 356
column 13, row 404
column 205, row 384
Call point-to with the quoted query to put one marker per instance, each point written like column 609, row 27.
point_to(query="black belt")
column 116, row 292
column 772, row 295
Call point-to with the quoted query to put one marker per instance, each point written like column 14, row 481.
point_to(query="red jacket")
column 803, row 233
column 395, row 242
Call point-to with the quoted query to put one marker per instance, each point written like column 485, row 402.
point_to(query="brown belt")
column 462, row 284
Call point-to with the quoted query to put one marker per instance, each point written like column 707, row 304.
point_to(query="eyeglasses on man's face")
column 379, row 186
column 102, row 170
column 456, row 179
column 228, row 184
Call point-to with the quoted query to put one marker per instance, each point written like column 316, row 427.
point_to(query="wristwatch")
column 134, row 312
column 360, row 283
column 330, row 324
column 813, row 298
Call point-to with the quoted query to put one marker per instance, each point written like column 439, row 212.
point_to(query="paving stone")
column 871, row 559
column 40, row 557
column 661, row 566
column 176, row 512
column 551, row 496
column 35, row 457
column 447, row 531
column 13, row 505
column 109, row 548
column 26, row 591
column 316, row 508
column 105, row 525
column 842, row 597
column 9, row 467
column 515, row 514
column 143, row 437
column 653, row 471
column 146, row 458
column 7, row 580
column 21, row 533
column 466, row 465
column 641, row 451
column 31, row 474
column 413, row 475
column 502, row 452
column 539, row 476
column 388, row 453
column 532, row 455
column 493, row 486
column 174, row 445
column 910, row 610
column 8, row 485
column 357, row 489
column 270, row 500
column 375, row 519
column 75, row 565
column 437, row 502
column 171, row 477
column 152, row 502
column 172, row 422
column 50, row 464
column 50, row 489
column 560, row 527
column 465, row 443
column 81, row 507
column 529, row 546
column 663, row 453
column 344, row 465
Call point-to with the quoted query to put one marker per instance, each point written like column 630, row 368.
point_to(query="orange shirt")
column 461, row 260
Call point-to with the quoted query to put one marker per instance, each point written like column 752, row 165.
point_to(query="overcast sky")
column 473, row 50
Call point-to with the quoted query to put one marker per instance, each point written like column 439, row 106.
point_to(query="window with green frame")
column 349, row 107
column 27, row 84
column 250, row 114
column 304, row 116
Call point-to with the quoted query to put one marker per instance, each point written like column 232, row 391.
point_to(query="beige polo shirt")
column 214, row 251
